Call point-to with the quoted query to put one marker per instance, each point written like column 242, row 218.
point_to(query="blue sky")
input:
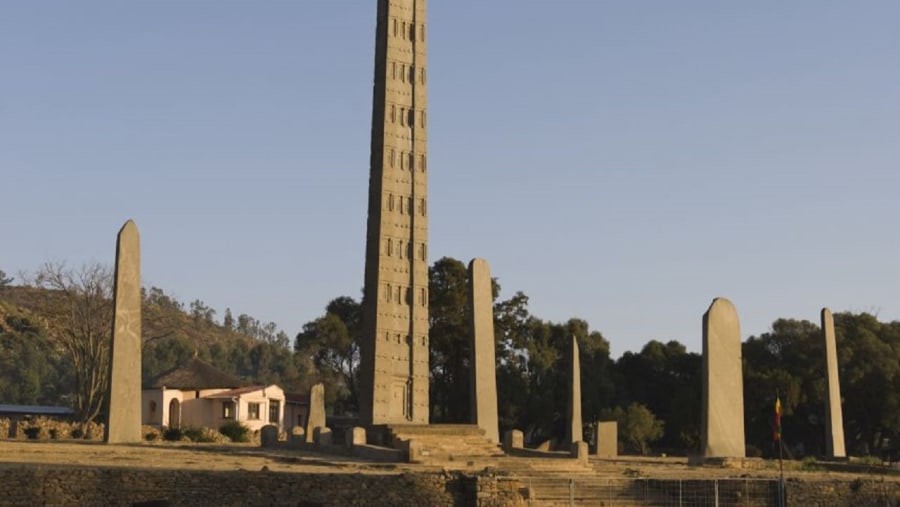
column 623, row 162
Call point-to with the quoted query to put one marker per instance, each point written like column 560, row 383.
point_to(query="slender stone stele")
column 316, row 418
column 124, row 393
column 393, row 369
column 834, row 419
column 723, row 386
column 607, row 439
column 574, row 431
column 483, row 383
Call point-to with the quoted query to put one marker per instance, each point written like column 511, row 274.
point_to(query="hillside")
column 39, row 342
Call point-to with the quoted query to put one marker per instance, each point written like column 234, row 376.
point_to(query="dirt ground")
column 245, row 457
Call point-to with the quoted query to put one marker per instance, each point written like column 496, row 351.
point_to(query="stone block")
column 414, row 451
column 607, row 436
column 513, row 439
column 580, row 450
column 268, row 435
column 297, row 436
column 322, row 435
column 355, row 436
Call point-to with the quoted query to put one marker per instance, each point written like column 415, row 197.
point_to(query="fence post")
column 572, row 492
column 716, row 492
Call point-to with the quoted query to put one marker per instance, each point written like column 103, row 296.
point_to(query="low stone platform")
column 437, row 443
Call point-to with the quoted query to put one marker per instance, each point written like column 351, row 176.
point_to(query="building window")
column 422, row 297
column 412, row 117
column 389, row 249
column 393, row 113
column 422, row 163
column 400, row 252
column 227, row 410
column 422, row 251
column 403, row 116
column 396, row 32
column 402, row 163
column 403, row 29
column 393, row 70
column 422, row 75
column 393, row 155
column 423, row 119
column 253, row 411
column 398, row 295
column 402, row 72
column 388, row 292
column 412, row 74
column 423, row 32
column 390, row 202
column 274, row 411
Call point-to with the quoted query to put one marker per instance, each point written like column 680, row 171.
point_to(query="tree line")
column 54, row 324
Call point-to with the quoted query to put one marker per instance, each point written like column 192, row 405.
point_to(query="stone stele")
column 607, row 435
column 316, row 417
column 124, row 393
column 574, row 431
column 834, row 419
column 393, row 363
column 484, row 369
column 723, row 391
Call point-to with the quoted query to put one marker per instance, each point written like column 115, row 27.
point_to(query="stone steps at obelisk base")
column 442, row 443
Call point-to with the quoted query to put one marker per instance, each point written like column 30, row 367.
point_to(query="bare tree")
column 79, row 312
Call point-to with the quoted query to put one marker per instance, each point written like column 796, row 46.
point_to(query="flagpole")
column 778, row 434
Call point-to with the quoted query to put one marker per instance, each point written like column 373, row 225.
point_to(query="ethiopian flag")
column 777, row 434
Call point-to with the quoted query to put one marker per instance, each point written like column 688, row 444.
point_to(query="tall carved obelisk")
column 394, row 352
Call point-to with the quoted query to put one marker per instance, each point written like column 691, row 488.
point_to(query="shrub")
column 236, row 431
column 173, row 434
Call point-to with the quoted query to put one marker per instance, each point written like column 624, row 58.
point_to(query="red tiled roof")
column 233, row 393
column 194, row 374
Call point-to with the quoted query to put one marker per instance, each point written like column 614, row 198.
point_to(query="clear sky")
column 623, row 162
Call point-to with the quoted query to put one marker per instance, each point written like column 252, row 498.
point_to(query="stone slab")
column 513, row 439
column 268, row 435
column 483, row 397
column 834, row 417
column 316, row 418
column 607, row 436
column 723, row 388
column 123, row 425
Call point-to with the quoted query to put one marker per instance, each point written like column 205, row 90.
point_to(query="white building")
column 197, row 394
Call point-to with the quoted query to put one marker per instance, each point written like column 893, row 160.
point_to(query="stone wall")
column 71, row 485
column 76, row 485
column 48, row 428
column 843, row 493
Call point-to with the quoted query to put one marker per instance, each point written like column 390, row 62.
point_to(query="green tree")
column 448, row 337
column 665, row 378
column 638, row 426
column 332, row 342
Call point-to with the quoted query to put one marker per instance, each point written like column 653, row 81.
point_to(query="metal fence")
column 658, row 492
